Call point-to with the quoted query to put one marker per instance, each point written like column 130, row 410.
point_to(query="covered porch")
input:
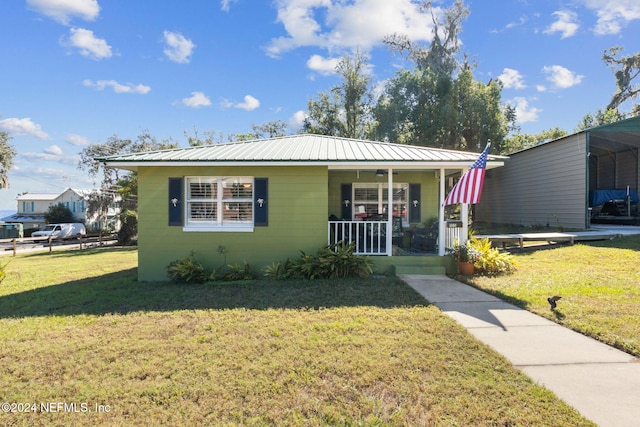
column 359, row 201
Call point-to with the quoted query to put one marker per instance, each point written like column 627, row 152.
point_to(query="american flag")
column 469, row 188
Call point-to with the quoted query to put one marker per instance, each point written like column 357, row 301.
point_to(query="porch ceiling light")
column 383, row 172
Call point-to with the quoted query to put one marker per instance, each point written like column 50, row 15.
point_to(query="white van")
column 61, row 231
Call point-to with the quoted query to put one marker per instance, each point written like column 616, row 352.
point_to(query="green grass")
column 78, row 327
column 599, row 283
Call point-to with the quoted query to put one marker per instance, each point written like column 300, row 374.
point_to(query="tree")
column 598, row 119
column 59, row 214
column 439, row 56
column 345, row 111
column 521, row 141
column 272, row 129
column 7, row 153
column 209, row 138
column 626, row 69
column 439, row 103
column 117, row 186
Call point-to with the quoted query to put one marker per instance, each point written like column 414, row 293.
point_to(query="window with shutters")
column 371, row 199
column 219, row 203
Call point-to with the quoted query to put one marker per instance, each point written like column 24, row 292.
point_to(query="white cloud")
column 63, row 10
column 88, row 44
column 613, row 15
column 524, row 112
column 250, row 103
column 22, row 127
column 512, row 79
column 118, row 87
column 226, row 4
column 197, row 99
column 179, row 48
column 523, row 20
column 360, row 24
column 77, row 140
column 297, row 120
column 54, row 150
column 324, row 66
column 561, row 77
column 566, row 24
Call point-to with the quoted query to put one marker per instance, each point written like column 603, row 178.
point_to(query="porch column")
column 464, row 213
column 441, row 224
column 389, row 235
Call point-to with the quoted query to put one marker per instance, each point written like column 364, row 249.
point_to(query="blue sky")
column 77, row 72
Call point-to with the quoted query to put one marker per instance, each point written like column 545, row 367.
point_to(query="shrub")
column 128, row 232
column 59, row 213
column 278, row 270
column 490, row 260
column 187, row 270
column 330, row 261
column 235, row 272
column 338, row 260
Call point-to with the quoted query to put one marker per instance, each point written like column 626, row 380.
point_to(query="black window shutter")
column 414, row 203
column 175, row 202
column 261, row 202
column 346, row 202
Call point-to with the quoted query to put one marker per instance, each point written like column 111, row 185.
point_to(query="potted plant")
column 465, row 257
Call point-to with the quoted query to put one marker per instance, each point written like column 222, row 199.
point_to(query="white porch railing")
column 453, row 235
column 369, row 237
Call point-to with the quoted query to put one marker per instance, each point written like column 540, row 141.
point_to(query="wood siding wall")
column 539, row 186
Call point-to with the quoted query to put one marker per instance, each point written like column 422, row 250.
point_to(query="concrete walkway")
column 602, row 383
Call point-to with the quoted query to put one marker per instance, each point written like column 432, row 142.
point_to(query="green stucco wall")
column 297, row 220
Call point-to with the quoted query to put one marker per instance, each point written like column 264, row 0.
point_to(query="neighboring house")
column 569, row 181
column 33, row 206
column 266, row 200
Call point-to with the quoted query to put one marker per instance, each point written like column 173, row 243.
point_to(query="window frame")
column 221, row 200
column 381, row 200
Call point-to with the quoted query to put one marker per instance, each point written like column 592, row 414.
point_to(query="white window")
column 371, row 199
column 219, row 203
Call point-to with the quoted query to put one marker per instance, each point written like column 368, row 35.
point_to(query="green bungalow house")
column 266, row 200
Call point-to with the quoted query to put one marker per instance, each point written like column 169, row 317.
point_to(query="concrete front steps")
column 424, row 264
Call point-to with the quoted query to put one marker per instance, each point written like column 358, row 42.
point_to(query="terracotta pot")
column 465, row 268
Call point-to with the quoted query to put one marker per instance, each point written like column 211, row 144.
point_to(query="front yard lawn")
column 599, row 283
column 77, row 328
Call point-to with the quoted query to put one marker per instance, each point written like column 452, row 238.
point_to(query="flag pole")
column 468, row 190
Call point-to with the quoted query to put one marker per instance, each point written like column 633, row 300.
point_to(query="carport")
column 566, row 182
column 613, row 172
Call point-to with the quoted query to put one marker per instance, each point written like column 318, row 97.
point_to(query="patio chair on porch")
column 425, row 239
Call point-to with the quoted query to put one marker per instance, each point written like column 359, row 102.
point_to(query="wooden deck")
column 551, row 238
column 519, row 239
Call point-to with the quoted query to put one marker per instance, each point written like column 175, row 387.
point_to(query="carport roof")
column 301, row 149
column 615, row 137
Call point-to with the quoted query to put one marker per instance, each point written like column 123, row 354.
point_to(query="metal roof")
column 298, row 149
column 38, row 196
column 609, row 138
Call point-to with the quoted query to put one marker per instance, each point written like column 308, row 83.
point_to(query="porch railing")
column 369, row 237
column 453, row 234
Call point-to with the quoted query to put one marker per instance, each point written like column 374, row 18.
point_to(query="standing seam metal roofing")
column 304, row 147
